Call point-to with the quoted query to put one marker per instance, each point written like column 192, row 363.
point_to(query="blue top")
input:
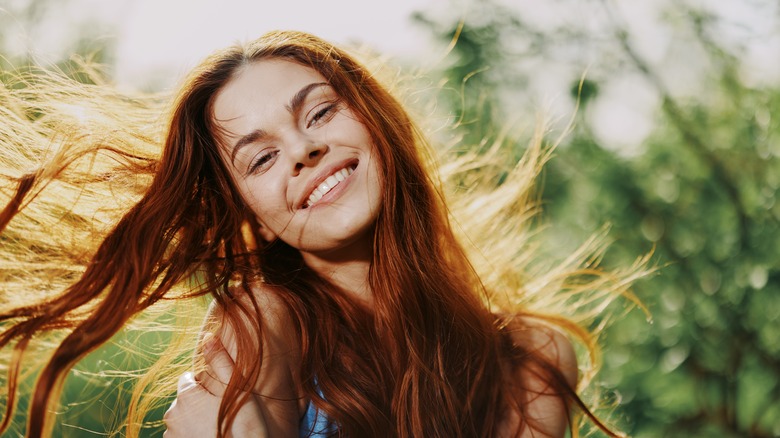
column 315, row 423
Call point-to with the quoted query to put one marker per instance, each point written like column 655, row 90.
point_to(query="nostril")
column 314, row 154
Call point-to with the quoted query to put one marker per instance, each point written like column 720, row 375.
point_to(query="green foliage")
column 471, row 79
column 97, row 392
column 711, row 360
column 701, row 194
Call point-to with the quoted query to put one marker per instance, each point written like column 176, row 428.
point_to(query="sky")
column 167, row 37
column 157, row 41
column 208, row 25
column 155, row 37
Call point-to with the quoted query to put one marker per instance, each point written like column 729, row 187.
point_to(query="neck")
column 347, row 269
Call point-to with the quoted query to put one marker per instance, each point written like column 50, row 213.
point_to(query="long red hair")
column 440, row 367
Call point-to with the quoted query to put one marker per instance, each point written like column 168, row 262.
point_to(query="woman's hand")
column 194, row 412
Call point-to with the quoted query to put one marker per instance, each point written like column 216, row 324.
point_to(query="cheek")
column 268, row 229
column 375, row 184
column 267, row 203
column 378, row 169
column 254, row 200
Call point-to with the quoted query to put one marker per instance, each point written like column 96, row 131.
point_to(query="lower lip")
column 334, row 193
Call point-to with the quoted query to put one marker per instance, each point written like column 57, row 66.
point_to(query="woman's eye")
column 263, row 161
column 320, row 115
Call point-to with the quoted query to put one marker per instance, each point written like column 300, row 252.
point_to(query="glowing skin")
column 301, row 159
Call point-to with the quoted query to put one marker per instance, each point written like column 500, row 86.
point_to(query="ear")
column 265, row 232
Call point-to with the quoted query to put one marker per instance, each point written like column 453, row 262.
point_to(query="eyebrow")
column 297, row 101
column 293, row 107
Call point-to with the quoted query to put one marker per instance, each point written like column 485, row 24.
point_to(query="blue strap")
column 315, row 423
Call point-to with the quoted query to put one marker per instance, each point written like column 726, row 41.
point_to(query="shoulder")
column 545, row 407
column 259, row 333
column 258, row 310
column 257, row 329
column 549, row 344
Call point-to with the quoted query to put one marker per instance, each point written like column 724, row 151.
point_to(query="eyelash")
column 320, row 114
column 261, row 160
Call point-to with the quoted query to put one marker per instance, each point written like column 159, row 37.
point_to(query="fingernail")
column 186, row 381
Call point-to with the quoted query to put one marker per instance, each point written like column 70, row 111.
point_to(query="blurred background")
column 676, row 146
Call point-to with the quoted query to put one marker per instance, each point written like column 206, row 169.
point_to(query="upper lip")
column 321, row 176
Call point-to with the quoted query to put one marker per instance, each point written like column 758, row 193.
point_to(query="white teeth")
column 330, row 182
column 326, row 186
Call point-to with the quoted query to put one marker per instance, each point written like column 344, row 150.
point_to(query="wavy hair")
column 444, row 311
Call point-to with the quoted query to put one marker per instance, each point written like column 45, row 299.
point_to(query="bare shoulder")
column 263, row 336
column 550, row 343
column 545, row 409
column 270, row 304
column 261, row 305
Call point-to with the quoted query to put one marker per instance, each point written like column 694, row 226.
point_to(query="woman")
column 297, row 190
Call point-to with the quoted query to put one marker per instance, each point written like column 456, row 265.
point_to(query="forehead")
column 261, row 86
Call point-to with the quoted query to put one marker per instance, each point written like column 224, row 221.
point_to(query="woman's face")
column 299, row 156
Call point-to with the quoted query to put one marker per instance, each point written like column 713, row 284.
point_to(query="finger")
column 186, row 382
column 219, row 366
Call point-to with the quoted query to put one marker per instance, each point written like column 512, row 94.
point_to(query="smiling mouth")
column 326, row 186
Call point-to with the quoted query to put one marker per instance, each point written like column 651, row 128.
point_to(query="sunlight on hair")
column 82, row 154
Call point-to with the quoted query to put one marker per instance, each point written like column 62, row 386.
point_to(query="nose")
column 308, row 153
